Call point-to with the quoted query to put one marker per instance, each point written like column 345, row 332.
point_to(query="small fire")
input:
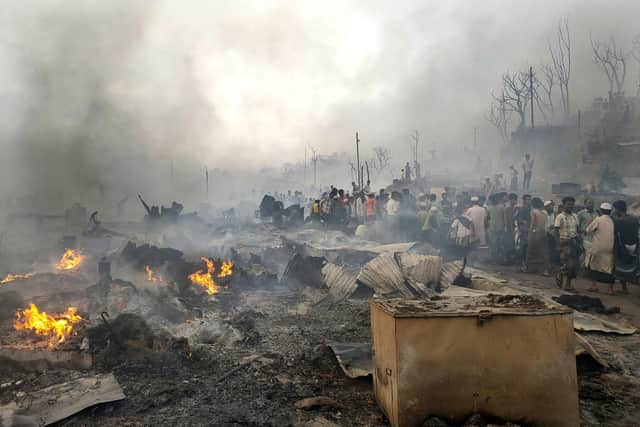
column 206, row 280
column 151, row 276
column 70, row 261
column 12, row 277
column 226, row 269
column 58, row 327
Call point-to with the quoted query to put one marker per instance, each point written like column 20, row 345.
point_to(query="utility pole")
column 172, row 185
column 358, row 160
column 314, row 159
column 206, row 178
column 416, row 140
column 531, row 92
column 304, row 176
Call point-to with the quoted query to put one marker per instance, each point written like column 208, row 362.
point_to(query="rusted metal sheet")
column 341, row 283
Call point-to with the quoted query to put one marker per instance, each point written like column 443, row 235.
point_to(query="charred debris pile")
column 278, row 330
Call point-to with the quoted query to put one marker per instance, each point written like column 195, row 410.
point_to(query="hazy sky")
column 92, row 85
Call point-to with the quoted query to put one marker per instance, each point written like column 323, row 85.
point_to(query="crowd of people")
column 526, row 231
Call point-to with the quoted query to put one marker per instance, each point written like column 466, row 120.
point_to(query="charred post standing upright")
column 358, row 160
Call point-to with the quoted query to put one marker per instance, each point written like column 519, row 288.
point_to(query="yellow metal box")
column 508, row 356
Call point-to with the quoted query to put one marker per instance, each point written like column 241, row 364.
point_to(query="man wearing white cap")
column 478, row 216
column 599, row 255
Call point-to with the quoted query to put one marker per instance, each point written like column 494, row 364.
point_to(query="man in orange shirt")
column 370, row 207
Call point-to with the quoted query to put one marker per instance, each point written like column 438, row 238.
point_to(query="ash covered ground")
column 249, row 353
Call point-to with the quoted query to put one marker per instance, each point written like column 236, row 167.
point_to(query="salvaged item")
column 55, row 403
column 506, row 356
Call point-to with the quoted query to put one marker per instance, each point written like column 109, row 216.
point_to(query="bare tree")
column 561, row 63
column 515, row 94
column 498, row 117
column 382, row 160
column 613, row 62
column 547, row 83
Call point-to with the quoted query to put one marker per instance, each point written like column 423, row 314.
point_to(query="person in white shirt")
column 478, row 216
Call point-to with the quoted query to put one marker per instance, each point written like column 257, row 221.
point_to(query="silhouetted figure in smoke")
column 94, row 223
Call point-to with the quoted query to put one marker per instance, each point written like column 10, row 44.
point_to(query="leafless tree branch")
column 561, row 63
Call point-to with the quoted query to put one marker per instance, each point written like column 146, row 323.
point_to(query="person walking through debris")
column 478, row 216
column 599, row 255
column 527, row 170
column 536, row 257
column 626, row 245
column 567, row 235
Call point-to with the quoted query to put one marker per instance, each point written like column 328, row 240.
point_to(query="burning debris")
column 151, row 275
column 57, row 327
column 13, row 277
column 206, row 279
column 70, row 261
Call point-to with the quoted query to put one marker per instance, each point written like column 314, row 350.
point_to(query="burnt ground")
column 208, row 384
column 265, row 347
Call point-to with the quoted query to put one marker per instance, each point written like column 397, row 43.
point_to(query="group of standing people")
column 559, row 241
column 528, row 231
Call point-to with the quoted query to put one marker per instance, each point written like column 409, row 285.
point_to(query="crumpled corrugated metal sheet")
column 384, row 275
column 408, row 273
column 422, row 269
column 341, row 283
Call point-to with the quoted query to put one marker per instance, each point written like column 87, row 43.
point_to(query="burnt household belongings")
column 507, row 356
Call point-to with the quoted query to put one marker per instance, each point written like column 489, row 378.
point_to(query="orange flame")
column 206, row 280
column 151, row 276
column 226, row 269
column 11, row 277
column 70, row 261
column 57, row 327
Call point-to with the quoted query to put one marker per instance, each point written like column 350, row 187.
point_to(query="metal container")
column 507, row 356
